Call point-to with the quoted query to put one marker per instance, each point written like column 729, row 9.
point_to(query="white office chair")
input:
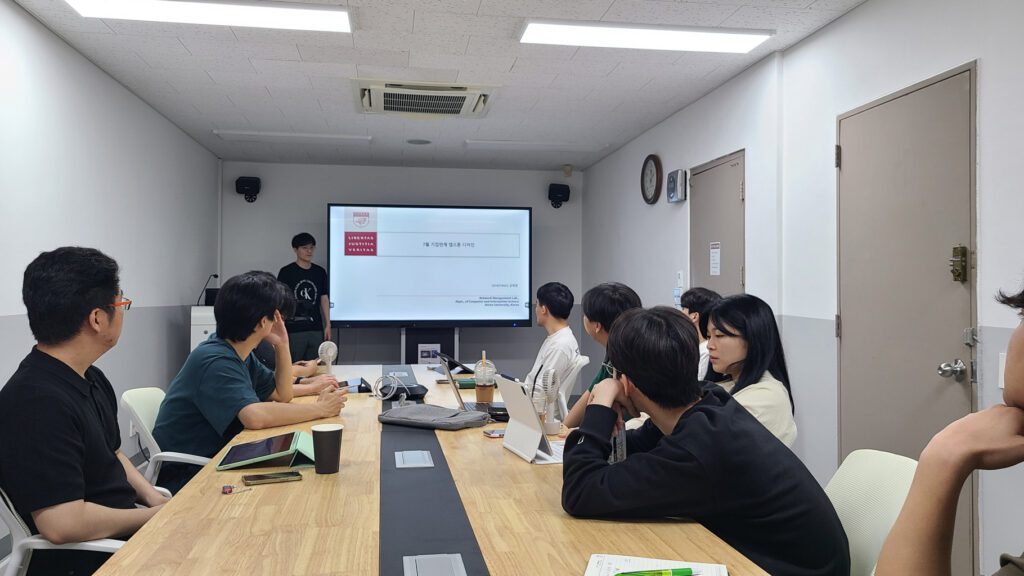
column 23, row 542
column 569, row 383
column 868, row 492
column 143, row 405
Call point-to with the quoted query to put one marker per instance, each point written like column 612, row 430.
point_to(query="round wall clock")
column 650, row 179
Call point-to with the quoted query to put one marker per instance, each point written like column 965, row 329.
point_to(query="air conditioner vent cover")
column 380, row 97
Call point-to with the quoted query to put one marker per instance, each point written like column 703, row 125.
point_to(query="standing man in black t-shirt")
column 311, row 324
column 60, row 459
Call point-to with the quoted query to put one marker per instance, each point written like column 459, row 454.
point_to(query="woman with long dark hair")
column 744, row 344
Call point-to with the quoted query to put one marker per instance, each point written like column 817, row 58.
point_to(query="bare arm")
column 270, row 414
column 575, row 415
column 325, row 314
column 78, row 521
column 1013, row 376
column 921, row 540
column 145, row 491
column 278, row 338
column 304, row 368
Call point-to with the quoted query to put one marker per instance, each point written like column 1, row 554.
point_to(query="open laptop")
column 454, row 365
column 496, row 410
column 524, row 435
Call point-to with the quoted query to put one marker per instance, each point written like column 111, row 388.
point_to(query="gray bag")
column 433, row 417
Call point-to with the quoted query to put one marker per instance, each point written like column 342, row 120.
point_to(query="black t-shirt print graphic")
column 308, row 286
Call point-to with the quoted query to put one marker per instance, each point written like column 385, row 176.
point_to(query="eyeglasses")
column 127, row 303
column 608, row 368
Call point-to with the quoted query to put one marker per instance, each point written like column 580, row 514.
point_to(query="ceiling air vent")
column 381, row 97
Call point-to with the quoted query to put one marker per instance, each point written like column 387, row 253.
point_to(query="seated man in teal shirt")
column 223, row 388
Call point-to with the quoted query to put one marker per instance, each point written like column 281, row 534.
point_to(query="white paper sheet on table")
column 609, row 565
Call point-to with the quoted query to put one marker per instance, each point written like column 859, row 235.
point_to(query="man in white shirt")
column 560, row 349
column 695, row 303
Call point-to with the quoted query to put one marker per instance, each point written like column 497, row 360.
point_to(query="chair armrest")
column 155, row 461
column 39, row 543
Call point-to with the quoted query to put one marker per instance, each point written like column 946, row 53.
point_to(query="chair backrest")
column 570, row 380
column 868, row 492
column 143, row 405
column 15, row 525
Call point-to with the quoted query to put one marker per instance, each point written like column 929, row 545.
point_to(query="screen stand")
column 448, row 338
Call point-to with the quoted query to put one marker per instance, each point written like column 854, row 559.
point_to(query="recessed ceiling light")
column 527, row 146
column 254, row 14
column 417, row 141
column 291, row 137
column 601, row 35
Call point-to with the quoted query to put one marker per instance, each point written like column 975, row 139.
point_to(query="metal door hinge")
column 839, row 156
column 743, row 190
column 970, row 336
column 974, row 372
column 743, row 276
column 839, row 326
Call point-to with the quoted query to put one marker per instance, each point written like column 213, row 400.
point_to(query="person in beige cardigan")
column 744, row 344
column 921, row 540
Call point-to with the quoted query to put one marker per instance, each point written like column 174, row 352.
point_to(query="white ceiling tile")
column 366, row 56
column 308, row 68
column 668, row 13
column 295, row 97
column 455, row 6
column 780, row 18
column 330, row 86
column 263, row 35
column 63, row 22
column 408, row 74
column 391, row 20
column 138, row 28
column 445, row 24
column 488, row 46
column 840, row 5
column 264, row 51
column 570, row 67
column 345, row 123
column 462, row 62
column 39, row 6
column 258, row 80
column 422, row 43
column 176, row 62
column 308, row 123
column 574, row 10
column 123, row 42
column 266, row 122
column 503, row 79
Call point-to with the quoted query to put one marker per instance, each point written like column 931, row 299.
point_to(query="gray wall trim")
column 5, row 546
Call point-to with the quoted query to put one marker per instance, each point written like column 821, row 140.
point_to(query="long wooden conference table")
column 330, row 524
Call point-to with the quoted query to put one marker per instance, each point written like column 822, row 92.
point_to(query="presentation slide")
column 436, row 265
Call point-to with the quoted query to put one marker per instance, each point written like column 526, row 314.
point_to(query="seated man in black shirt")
column 701, row 456
column 60, row 459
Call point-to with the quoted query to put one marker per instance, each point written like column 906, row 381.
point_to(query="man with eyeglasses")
column 701, row 455
column 60, row 458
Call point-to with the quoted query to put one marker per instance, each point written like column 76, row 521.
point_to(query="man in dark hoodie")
column 701, row 456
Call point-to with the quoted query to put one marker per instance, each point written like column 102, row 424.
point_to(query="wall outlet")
column 1002, row 369
column 680, row 279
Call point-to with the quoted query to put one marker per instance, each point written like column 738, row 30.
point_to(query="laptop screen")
column 453, row 384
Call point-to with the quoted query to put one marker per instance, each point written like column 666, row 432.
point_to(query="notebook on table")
column 294, row 449
column 610, row 565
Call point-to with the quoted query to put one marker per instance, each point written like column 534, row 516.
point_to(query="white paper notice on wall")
column 716, row 258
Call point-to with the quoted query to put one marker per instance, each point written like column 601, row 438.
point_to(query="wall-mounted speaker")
column 249, row 186
column 558, row 193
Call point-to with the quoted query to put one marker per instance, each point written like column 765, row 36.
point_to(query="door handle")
column 956, row 370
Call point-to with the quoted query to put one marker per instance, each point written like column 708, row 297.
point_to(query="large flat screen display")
column 429, row 265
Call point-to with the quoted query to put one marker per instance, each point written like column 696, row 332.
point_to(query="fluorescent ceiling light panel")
column 252, row 15
column 600, row 35
column 527, row 146
column 291, row 137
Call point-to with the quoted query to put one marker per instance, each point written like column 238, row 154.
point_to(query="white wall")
column 629, row 241
column 83, row 161
column 294, row 199
column 879, row 48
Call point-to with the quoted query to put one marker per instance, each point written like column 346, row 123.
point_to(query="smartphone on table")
column 254, row 479
column 495, row 433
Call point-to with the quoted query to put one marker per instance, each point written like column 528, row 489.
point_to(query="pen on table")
column 663, row 572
